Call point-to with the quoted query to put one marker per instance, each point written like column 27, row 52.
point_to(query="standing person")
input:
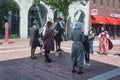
column 59, row 27
column 42, row 32
column 77, row 54
column 34, row 35
column 104, row 42
column 48, row 40
column 87, row 50
column 91, row 36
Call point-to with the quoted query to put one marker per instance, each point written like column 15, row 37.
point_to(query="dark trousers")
column 87, row 51
column 58, row 46
column 87, row 54
column 47, row 54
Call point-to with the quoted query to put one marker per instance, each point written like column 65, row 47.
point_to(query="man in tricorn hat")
column 59, row 36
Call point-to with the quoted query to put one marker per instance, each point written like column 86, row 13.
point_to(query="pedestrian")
column 104, row 42
column 42, row 32
column 59, row 35
column 77, row 54
column 87, row 50
column 34, row 35
column 48, row 40
column 91, row 36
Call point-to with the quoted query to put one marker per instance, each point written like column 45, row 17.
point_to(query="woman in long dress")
column 77, row 54
column 104, row 42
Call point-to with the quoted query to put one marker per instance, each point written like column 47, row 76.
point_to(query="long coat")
column 59, row 35
column 77, row 54
column 34, row 35
column 48, row 40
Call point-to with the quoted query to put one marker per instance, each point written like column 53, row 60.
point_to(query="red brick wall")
column 104, row 10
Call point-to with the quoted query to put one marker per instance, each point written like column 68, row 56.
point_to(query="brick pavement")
column 15, row 63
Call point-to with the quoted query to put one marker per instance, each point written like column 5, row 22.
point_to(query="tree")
column 7, row 5
column 62, row 6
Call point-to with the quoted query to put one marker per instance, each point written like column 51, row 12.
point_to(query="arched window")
column 119, row 3
column 113, row 3
column 108, row 3
column 101, row 2
column 94, row 1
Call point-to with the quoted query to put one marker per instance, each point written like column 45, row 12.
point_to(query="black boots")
column 33, row 54
column 73, row 70
column 33, row 57
column 78, row 72
column 47, row 59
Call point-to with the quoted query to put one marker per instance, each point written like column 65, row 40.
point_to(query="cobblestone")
column 17, row 64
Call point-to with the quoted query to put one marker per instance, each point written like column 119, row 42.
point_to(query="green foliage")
column 36, row 1
column 7, row 6
column 60, row 5
column 14, row 36
column 1, row 36
column 86, row 1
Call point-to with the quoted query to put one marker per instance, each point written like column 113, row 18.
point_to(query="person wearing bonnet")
column 77, row 53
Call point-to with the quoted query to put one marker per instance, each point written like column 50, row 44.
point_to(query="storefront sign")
column 94, row 12
column 115, row 15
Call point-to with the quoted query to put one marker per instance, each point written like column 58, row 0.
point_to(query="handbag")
column 110, row 46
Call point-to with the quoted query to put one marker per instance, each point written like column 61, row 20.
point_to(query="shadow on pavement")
column 117, row 54
column 59, row 69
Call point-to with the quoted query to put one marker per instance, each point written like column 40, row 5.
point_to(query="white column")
column 24, row 6
column 87, row 18
column 23, row 23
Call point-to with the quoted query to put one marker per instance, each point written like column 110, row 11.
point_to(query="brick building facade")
column 106, row 13
column 106, row 7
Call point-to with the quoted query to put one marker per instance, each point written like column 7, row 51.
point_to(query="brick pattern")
column 18, row 65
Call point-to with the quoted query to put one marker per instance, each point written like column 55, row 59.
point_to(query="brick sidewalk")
column 17, row 65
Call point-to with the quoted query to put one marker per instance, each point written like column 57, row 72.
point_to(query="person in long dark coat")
column 48, row 40
column 34, row 35
column 77, row 54
column 86, row 50
column 59, row 27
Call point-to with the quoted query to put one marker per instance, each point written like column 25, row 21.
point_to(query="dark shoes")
column 104, row 54
column 59, row 50
column 48, row 60
column 73, row 71
column 99, row 53
column 33, row 57
column 80, row 72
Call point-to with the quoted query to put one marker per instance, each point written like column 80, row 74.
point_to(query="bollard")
column 6, row 32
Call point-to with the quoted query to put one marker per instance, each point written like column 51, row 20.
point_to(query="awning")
column 99, row 20
column 118, row 21
column 112, row 21
column 104, row 20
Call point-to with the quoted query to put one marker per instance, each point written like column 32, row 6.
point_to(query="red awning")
column 118, row 21
column 112, row 21
column 98, row 20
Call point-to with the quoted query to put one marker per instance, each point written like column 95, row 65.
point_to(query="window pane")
column 101, row 2
column 113, row 3
column 94, row 1
column 119, row 3
column 108, row 3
